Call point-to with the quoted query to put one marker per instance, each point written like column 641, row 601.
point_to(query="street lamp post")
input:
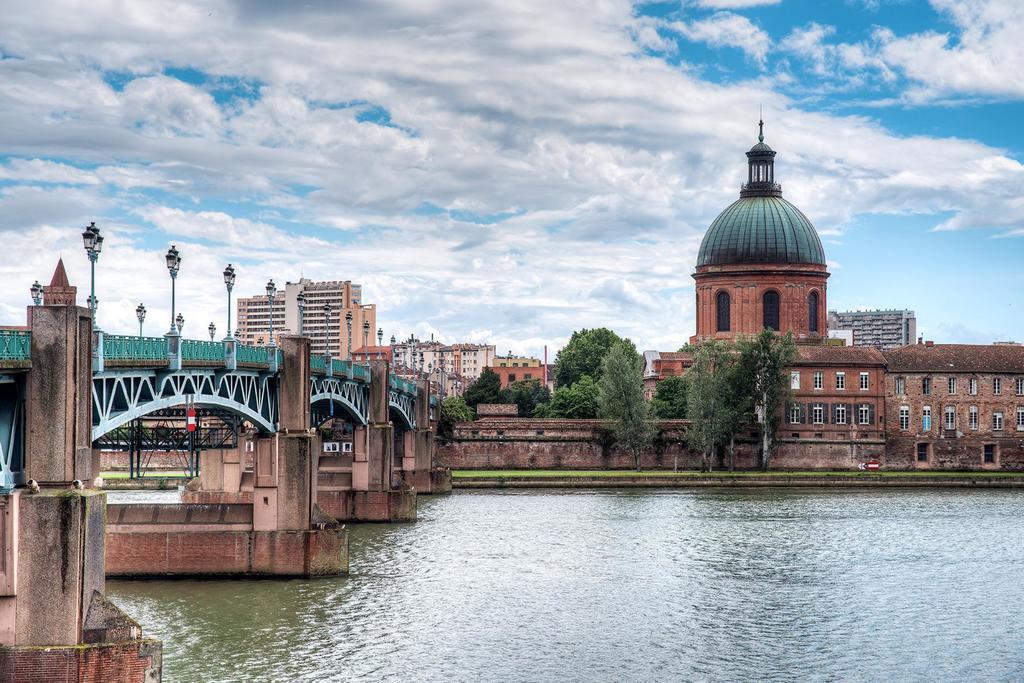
column 327, row 332
column 366, row 341
column 180, row 320
column 348, row 323
column 393, row 362
column 140, row 313
column 380, row 343
column 93, row 241
column 173, row 259
column 212, row 329
column 300, row 300
column 229, row 282
column 271, row 291
column 37, row 293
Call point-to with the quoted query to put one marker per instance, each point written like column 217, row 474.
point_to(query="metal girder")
column 404, row 405
column 12, row 427
column 120, row 396
column 353, row 396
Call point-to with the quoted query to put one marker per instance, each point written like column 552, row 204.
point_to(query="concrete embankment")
column 143, row 483
column 696, row 480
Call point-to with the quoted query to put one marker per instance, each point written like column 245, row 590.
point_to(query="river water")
column 758, row 584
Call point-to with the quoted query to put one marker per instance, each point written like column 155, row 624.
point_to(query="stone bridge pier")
column 55, row 623
column 417, row 463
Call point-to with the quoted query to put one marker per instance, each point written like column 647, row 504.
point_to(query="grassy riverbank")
column 662, row 478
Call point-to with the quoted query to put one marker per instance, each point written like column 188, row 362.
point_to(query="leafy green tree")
column 453, row 410
column 583, row 354
column 669, row 402
column 766, row 359
column 527, row 394
column 738, row 401
column 706, row 404
column 578, row 402
column 486, row 389
column 621, row 399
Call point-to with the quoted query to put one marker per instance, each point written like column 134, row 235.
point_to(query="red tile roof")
column 956, row 358
column 824, row 354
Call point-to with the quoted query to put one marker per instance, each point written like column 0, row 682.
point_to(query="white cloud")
column 610, row 162
column 727, row 29
column 734, row 4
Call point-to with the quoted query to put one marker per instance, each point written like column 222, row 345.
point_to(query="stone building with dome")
column 761, row 263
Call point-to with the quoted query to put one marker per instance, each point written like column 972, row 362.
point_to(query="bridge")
column 272, row 491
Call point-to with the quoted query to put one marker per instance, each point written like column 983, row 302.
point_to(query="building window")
column 997, row 421
column 722, row 310
column 770, row 310
column 926, row 386
column 812, row 312
column 840, row 409
column 972, row 386
column 951, row 385
column 904, row 418
column 950, row 417
column 997, row 386
column 511, row 377
column 989, row 454
column 819, row 379
column 864, row 381
column 972, row 417
column 794, row 380
column 1020, row 386
column 840, row 381
column 926, row 419
column 922, row 452
column 818, row 414
column 864, row 414
column 1020, row 419
column 794, row 414
column 901, row 386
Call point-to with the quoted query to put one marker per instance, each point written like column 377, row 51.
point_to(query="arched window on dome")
column 812, row 312
column 770, row 308
column 722, row 311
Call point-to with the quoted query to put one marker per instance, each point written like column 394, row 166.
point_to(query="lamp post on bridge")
column 140, row 313
column 37, row 293
column 366, row 341
column 93, row 241
column 229, row 282
column 271, row 291
column 327, row 334
column 380, row 343
column 393, row 362
column 212, row 330
column 173, row 259
column 180, row 320
column 300, row 300
column 348, row 323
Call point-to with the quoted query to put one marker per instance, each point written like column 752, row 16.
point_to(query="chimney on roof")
column 929, row 343
column 920, row 340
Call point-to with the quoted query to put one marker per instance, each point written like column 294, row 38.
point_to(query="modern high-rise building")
column 327, row 330
column 888, row 329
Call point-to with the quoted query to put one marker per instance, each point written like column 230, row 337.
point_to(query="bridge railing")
column 346, row 368
column 126, row 347
column 252, row 355
column 406, row 386
column 202, row 351
column 15, row 344
column 317, row 363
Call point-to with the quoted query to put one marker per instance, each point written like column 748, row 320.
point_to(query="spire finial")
column 760, row 125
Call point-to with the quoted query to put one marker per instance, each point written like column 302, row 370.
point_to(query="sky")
column 508, row 172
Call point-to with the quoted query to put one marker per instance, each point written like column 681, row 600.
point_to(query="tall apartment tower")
column 327, row 332
column 887, row 329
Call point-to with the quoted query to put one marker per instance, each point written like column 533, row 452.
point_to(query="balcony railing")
column 15, row 344
column 206, row 351
column 125, row 347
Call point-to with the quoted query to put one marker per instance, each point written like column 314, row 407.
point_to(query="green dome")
column 761, row 229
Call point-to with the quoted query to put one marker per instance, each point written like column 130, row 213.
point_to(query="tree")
column 583, row 354
column 669, row 402
column 576, row 402
column 706, row 404
column 453, row 410
column 621, row 399
column 738, row 401
column 486, row 389
column 527, row 394
column 767, row 358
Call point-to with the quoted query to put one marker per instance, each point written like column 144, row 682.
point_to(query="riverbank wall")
column 529, row 443
column 569, row 480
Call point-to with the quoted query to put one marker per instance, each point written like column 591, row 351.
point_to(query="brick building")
column 955, row 406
